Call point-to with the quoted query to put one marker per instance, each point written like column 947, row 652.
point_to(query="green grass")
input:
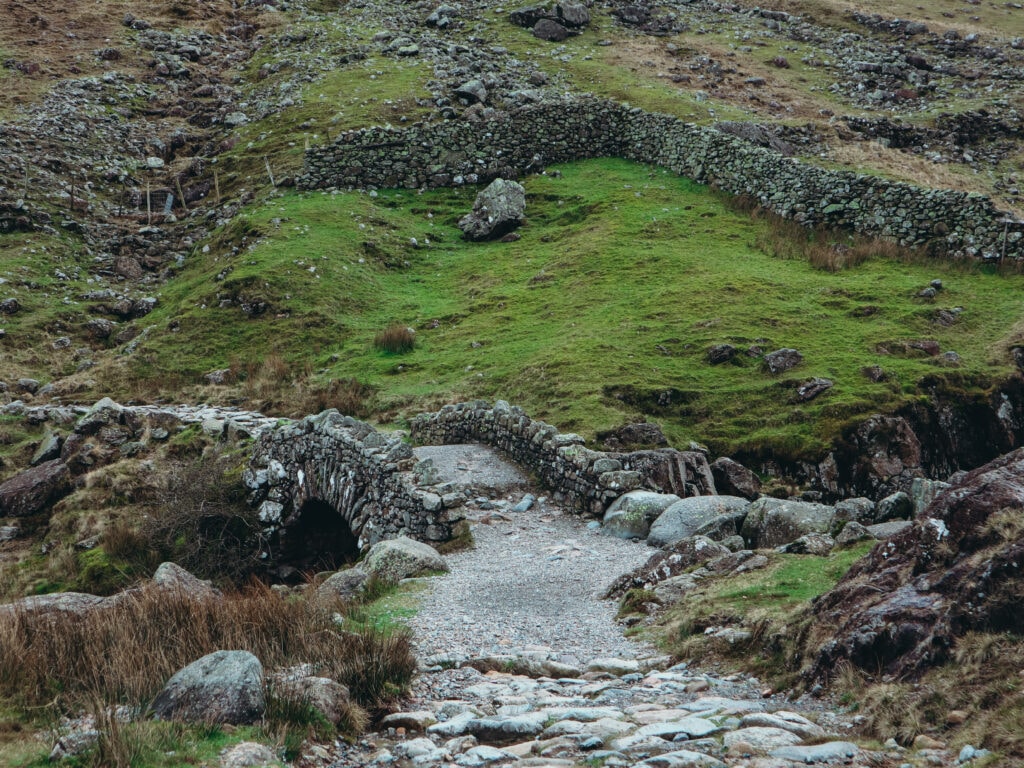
column 771, row 603
column 604, row 311
column 389, row 607
column 789, row 581
column 150, row 744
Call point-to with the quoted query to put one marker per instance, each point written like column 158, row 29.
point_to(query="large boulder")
column 173, row 578
column 956, row 569
column 733, row 479
column 630, row 516
column 497, row 210
column 328, row 697
column 343, row 585
column 774, row 522
column 221, row 687
column 688, row 516
column 858, row 510
column 397, row 559
column 33, row 490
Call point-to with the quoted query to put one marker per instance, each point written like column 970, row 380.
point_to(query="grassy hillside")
column 603, row 311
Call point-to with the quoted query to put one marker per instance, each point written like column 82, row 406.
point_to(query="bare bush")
column 201, row 521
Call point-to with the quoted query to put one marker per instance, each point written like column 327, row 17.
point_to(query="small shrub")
column 349, row 395
column 203, row 523
column 396, row 339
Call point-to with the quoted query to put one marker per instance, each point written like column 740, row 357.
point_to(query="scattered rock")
column 221, row 687
column 173, row 577
column 782, row 360
column 248, row 754
column 497, row 210
column 343, row 585
column 812, row 389
column 397, row 559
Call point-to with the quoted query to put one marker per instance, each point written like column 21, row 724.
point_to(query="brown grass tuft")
column 396, row 339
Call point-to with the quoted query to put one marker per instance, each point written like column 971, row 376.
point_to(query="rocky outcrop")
column 32, row 491
column 587, row 480
column 933, row 437
column 458, row 152
column 901, row 608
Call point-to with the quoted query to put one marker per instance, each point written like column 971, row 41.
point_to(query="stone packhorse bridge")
column 328, row 487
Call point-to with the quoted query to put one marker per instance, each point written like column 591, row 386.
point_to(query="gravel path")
column 533, row 579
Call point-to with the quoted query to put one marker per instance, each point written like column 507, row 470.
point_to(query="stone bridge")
column 329, row 486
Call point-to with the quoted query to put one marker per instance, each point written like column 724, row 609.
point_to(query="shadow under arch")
column 319, row 540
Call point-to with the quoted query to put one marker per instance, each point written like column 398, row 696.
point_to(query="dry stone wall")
column 586, row 480
column 360, row 473
column 523, row 140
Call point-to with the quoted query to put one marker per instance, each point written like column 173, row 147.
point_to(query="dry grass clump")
column 127, row 651
column 396, row 339
column 349, row 395
column 971, row 700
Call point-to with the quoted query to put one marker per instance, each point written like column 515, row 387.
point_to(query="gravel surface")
column 533, row 579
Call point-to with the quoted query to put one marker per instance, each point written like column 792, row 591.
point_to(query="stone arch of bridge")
column 319, row 538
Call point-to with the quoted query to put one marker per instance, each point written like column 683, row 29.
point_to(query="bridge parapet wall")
column 587, row 480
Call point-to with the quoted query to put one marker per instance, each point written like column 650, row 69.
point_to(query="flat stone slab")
column 830, row 752
column 474, row 466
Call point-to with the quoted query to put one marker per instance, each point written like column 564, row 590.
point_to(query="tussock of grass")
column 396, row 339
column 974, row 682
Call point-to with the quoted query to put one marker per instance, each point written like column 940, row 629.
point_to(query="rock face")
column 689, row 517
column 34, row 489
column 221, row 687
column 497, row 210
column 397, row 559
column 733, row 479
column 956, row 569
